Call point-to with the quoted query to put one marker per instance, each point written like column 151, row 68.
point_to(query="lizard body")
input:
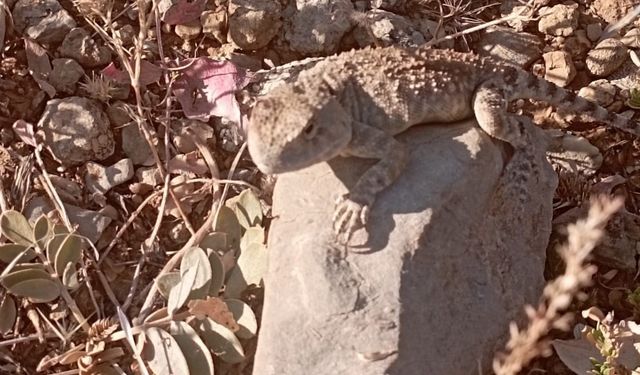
column 352, row 104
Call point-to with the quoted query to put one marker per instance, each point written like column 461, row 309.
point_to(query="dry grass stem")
column 583, row 236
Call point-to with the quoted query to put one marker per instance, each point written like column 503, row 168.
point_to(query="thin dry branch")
column 583, row 236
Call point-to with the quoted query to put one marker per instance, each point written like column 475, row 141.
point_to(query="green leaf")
column 70, row 251
column 162, row 353
column 197, row 258
column 245, row 318
column 9, row 251
column 16, row 228
column 180, row 293
column 8, row 314
column 250, row 269
column 42, row 231
column 166, row 282
column 18, row 276
column 251, row 236
column 217, row 273
column 215, row 241
column 221, row 340
column 36, row 290
column 194, row 349
column 70, row 276
column 54, row 246
column 247, row 208
column 228, row 223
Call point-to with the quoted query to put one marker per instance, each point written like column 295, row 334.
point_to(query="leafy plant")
column 202, row 314
column 57, row 253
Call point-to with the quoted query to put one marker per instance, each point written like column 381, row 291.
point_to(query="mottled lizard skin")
column 352, row 104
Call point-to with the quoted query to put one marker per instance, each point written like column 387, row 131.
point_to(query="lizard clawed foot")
column 349, row 217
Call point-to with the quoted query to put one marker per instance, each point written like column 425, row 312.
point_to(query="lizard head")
column 292, row 128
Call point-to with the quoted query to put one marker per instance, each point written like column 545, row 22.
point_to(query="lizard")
column 354, row 103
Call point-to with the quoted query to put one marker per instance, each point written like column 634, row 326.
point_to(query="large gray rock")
column 447, row 266
column 43, row 20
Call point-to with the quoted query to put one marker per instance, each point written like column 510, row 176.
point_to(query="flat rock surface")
column 447, row 264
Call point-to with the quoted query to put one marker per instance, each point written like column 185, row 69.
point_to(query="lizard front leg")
column 371, row 143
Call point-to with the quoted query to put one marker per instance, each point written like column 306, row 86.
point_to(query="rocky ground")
column 104, row 105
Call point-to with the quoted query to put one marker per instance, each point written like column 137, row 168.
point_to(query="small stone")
column 559, row 20
column 187, row 32
column 518, row 49
column 46, row 21
column 65, row 75
column 213, row 24
column 149, row 176
column 79, row 45
column 594, row 30
column 600, row 91
column 611, row 11
column 187, row 130
column 118, row 115
column 252, row 24
column 559, row 67
column 100, row 179
column 126, row 34
column 385, row 28
column 68, row 190
column 606, row 57
column 76, row 130
column 135, row 146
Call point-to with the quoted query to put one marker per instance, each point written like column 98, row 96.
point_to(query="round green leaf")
column 69, row 252
column 194, row 349
column 250, row 269
column 247, row 208
column 16, row 227
column 9, row 251
column 217, row 273
column 245, row 318
column 221, row 340
column 8, row 314
column 36, row 290
column 215, row 241
column 180, row 293
column 197, row 258
column 17, row 276
column 157, row 315
column 42, row 230
column 162, row 353
column 228, row 223
column 70, row 276
column 166, row 282
column 53, row 246
column 251, row 236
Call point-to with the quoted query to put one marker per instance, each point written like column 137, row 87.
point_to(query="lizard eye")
column 309, row 130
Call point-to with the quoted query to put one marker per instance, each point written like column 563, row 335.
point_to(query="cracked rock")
column 252, row 24
column 79, row 45
column 317, row 27
column 46, row 21
column 559, row 20
column 76, row 130
column 100, row 179
column 65, row 75
column 606, row 57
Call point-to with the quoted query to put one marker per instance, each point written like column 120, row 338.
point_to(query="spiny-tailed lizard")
column 352, row 104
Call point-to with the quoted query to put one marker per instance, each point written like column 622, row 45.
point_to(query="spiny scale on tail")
column 524, row 85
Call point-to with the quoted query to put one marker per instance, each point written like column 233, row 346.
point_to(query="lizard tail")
column 527, row 85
